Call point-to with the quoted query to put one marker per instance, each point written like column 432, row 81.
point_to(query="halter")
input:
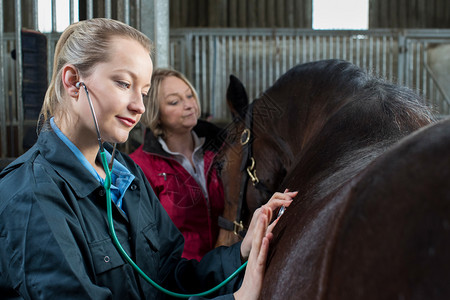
column 248, row 168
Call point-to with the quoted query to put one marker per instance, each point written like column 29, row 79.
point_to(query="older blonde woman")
column 177, row 158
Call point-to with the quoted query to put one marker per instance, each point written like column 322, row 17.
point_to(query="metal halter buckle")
column 238, row 227
column 252, row 172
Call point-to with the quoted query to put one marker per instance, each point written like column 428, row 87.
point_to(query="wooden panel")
column 298, row 13
column 270, row 12
column 280, row 15
column 241, row 13
column 409, row 14
column 251, row 13
column 232, row 13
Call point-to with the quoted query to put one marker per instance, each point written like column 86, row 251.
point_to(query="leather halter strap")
column 249, row 172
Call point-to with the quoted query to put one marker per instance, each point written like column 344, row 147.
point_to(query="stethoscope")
column 107, row 185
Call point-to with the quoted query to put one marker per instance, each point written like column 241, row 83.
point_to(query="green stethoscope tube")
column 107, row 186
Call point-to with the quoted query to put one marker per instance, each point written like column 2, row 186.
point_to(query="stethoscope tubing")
column 107, row 186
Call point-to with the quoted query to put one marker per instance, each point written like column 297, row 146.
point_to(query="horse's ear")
column 237, row 98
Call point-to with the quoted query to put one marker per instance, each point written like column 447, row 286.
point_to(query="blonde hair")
column 152, row 114
column 84, row 44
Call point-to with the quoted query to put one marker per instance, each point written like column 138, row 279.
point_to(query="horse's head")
column 254, row 159
column 311, row 123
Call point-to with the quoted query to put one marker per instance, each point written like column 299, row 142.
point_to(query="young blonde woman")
column 54, row 238
column 177, row 158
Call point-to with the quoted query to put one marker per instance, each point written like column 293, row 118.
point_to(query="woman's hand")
column 277, row 200
column 255, row 245
column 254, row 273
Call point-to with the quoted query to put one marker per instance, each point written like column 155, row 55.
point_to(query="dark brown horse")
column 355, row 230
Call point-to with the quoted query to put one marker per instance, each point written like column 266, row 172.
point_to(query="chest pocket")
column 182, row 192
column 105, row 256
column 151, row 252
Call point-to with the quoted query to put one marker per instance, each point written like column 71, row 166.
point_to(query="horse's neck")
column 333, row 175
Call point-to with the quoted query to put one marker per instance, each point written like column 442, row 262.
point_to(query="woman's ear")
column 70, row 77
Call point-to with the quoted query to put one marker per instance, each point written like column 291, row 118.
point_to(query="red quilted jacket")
column 179, row 193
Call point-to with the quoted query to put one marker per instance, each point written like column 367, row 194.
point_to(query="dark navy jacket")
column 54, row 241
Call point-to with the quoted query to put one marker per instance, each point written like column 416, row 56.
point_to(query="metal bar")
column 187, row 52
column 89, row 9
column 317, row 47
column 3, row 150
column 217, row 109
column 391, row 58
column 290, row 52
column 161, row 37
column 416, row 65
column 331, row 46
column 147, row 24
column 19, row 74
column 250, row 65
column 204, row 66
column 338, row 47
column 230, row 56
column 358, row 51
column 377, row 55
column 211, row 54
column 264, row 64
column 384, row 57
column 108, row 9
column 257, row 66
column 71, row 11
column 351, row 49
column 138, row 15
column 196, row 75
column 438, row 86
column 304, row 51
column 244, row 60
column 344, row 47
column 126, row 12
column 53, row 16
column 402, row 58
column 181, row 54
column 283, row 57
column 424, row 72
column 50, row 51
column 364, row 58
column 371, row 58
column 35, row 15
column 272, row 51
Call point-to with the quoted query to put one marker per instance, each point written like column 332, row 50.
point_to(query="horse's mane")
column 349, row 118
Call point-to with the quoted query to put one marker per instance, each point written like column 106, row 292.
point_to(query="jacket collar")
column 214, row 138
column 66, row 164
